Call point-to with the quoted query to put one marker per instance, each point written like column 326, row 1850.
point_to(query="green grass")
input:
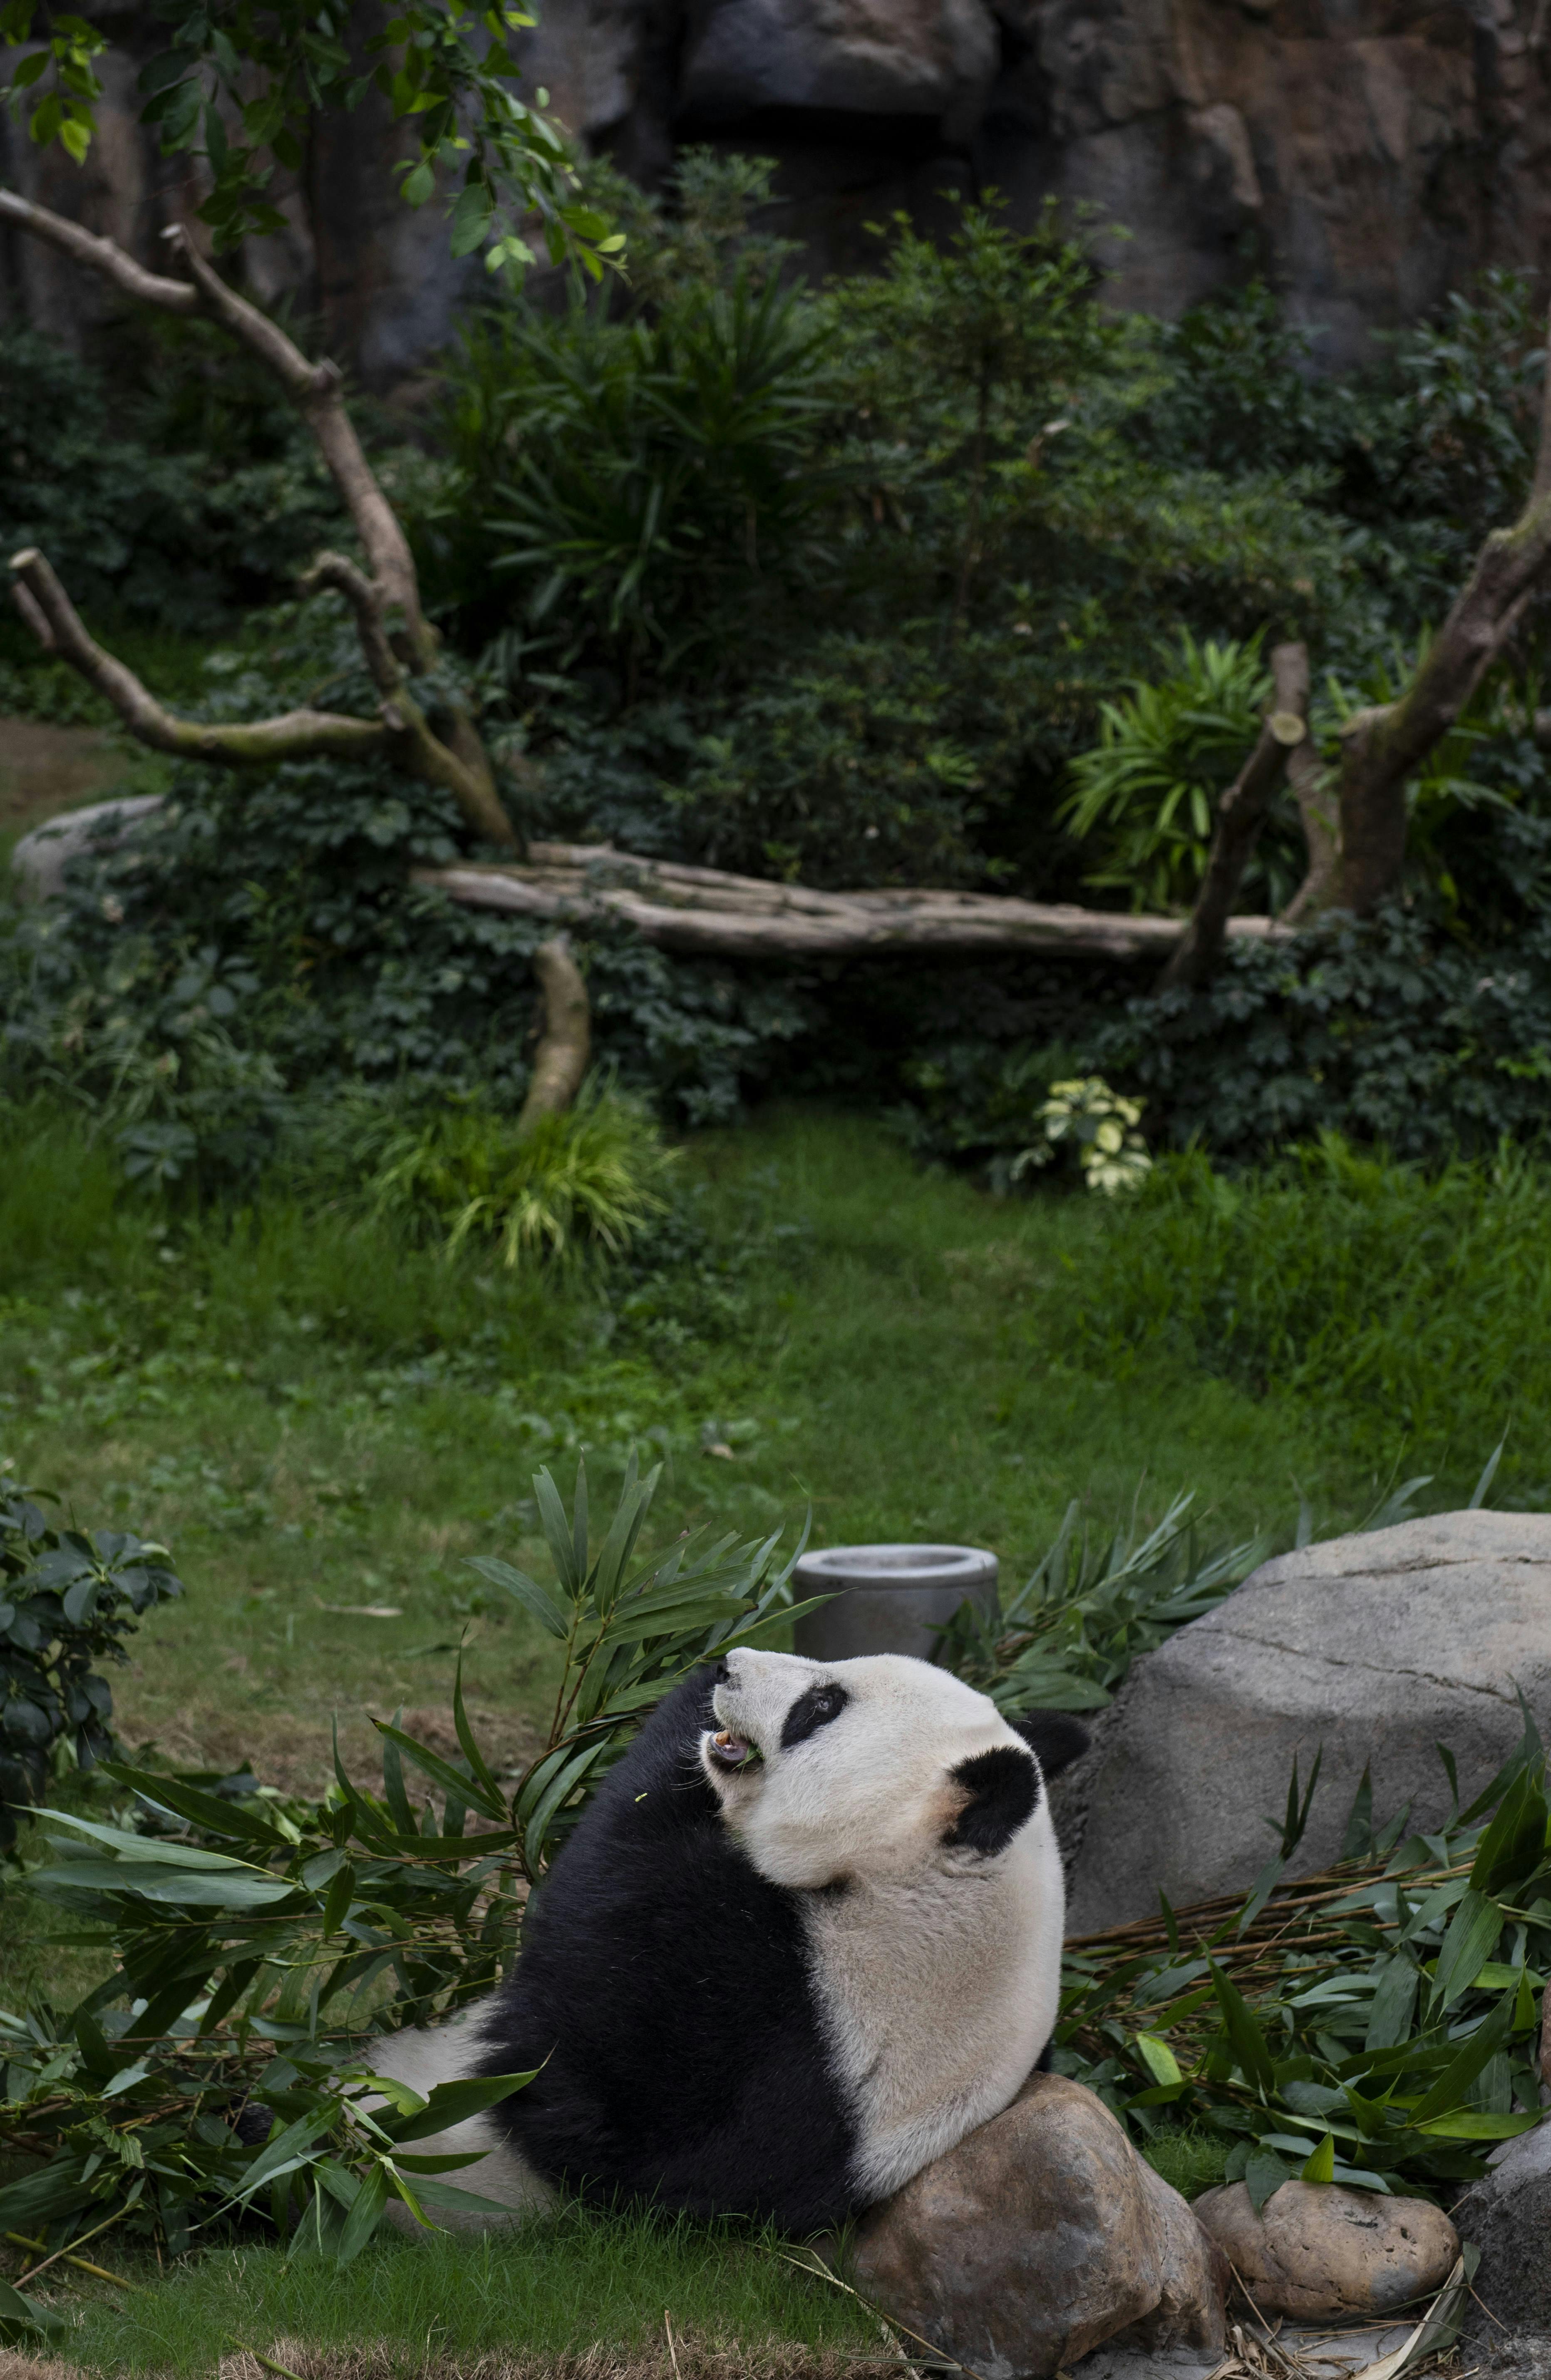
column 323, row 1420
column 553, row 2290
column 1384, row 1301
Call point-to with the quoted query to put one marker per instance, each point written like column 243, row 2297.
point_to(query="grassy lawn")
column 735, row 2304
column 321, row 1428
column 322, row 1421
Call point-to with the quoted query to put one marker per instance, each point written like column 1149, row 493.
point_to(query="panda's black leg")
column 1043, row 2063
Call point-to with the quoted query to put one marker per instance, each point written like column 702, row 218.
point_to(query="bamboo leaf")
column 1472, row 1938
column 527, row 1591
column 452, row 2103
column 441, row 1772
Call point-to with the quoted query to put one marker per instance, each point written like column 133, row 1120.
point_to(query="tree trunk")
column 1382, row 749
column 565, row 1044
column 706, row 910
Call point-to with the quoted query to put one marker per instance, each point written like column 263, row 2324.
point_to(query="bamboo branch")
column 292, row 734
column 1240, row 815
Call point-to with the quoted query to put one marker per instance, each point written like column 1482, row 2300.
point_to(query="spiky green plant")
column 1148, row 790
column 590, row 1178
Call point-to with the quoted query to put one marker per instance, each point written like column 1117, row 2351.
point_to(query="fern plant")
column 1147, row 792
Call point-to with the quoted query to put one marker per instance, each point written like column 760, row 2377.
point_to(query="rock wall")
column 1366, row 155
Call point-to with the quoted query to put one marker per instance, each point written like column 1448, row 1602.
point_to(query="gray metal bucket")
column 887, row 1598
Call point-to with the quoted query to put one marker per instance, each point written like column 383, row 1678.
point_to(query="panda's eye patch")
column 811, row 1711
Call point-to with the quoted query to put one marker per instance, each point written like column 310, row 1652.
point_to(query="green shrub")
column 1147, row 792
column 149, row 505
column 1394, row 1033
column 1398, row 1300
column 591, row 1177
column 68, row 1599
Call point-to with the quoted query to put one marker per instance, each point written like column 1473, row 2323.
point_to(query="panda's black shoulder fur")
column 664, row 1991
column 1055, row 1738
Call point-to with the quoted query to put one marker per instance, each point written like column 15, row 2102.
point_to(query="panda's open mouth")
column 729, row 1751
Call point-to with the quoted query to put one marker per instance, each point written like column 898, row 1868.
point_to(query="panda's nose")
column 721, row 1675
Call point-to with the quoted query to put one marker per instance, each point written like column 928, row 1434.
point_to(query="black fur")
column 1005, row 1787
column 811, row 1711
column 1055, row 1737
column 663, row 1988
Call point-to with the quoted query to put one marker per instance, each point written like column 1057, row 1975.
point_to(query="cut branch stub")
column 565, row 1044
column 1240, row 815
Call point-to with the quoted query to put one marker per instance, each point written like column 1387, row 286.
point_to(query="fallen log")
column 708, row 910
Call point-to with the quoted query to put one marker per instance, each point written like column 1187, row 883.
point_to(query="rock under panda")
column 807, row 1936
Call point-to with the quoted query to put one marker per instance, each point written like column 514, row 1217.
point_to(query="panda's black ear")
column 1054, row 1736
column 1004, row 1791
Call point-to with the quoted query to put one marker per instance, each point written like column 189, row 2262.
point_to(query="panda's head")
column 837, row 1771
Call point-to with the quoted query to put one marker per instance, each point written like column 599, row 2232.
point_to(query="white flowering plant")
column 1096, row 1125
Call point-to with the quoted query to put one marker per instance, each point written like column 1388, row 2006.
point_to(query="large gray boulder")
column 1508, row 2216
column 1377, row 1649
column 933, row 58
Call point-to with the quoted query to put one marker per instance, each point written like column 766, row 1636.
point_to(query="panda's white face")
column 839, row 1771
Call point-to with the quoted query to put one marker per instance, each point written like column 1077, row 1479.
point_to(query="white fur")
column 938, row 1971
column 445, row 2055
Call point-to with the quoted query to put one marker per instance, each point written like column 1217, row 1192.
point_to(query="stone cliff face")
column 1365, row 155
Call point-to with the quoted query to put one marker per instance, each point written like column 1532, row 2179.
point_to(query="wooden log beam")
column 708, row 911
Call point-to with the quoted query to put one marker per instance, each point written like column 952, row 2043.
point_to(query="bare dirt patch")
column 45, row 769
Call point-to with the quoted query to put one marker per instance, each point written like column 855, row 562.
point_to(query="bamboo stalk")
column 81, row 2263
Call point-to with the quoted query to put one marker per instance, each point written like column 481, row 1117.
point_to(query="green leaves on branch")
column 66, row 47
column 240, row 87
column 67, row 1601
column 257, row 1944
column 1377, row 2024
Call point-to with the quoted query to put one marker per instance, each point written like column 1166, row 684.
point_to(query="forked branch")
column 397, row 641
column 53, row 619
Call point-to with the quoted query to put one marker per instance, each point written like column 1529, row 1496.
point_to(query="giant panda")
column 807, row 1935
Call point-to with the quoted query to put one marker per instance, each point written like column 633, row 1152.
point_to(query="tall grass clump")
column 590, row 1178
column 1399, row 1300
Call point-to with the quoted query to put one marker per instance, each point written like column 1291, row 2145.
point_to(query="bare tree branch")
column 386, row 605
column 561, row 1060
column 1240, row 815
column 44, row 603
column 173, row 297
column 1383, row 749
column 316, row 391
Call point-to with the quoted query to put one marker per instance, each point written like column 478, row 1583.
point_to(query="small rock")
column 38, row 861
column 1041, row 2235
column 1318, row 2250
column 1508, row 2215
